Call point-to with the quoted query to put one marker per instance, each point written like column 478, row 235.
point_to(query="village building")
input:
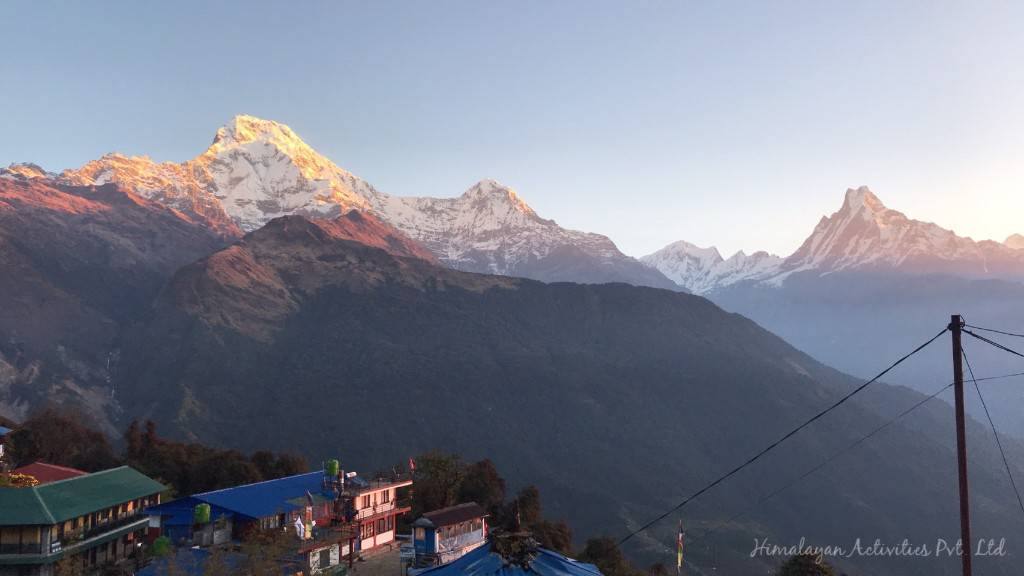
column 444, row 535
column 4, row 431
column 513, row 555
column 92, row 519
column 332, row 515
column 45, row 473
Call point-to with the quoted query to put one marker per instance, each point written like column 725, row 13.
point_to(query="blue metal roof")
column 181, row 512
column 484, row 562
column 266, row 498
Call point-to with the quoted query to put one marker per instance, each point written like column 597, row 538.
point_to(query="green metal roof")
column 66, row 499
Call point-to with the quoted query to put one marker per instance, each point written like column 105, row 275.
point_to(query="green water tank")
column 201, row 515
column 332, row 467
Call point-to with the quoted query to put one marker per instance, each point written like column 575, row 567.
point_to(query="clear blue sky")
column 735, row 124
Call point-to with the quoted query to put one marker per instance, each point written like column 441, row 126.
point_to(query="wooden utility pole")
column 955, row 324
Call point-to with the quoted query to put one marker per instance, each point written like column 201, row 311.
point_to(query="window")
column 325, row 558
column 386, row 496
column 366, row 501
column 367, row 530
column 391, row 522
column 381, row 526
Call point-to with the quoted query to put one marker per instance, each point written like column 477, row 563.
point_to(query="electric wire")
column 995, row 433
column 1004, row 333
column 775, row 444
column 825, row 462
column 994, row 343
column 845, row 450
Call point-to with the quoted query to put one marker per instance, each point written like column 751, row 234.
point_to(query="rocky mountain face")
column 79, row 263
column 615, row 400
column 257, row 170
column 864, row 236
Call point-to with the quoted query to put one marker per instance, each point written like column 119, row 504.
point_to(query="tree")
column 133, row 441
column 604, row 553
column 70, row 565
column 272, row 465
column 482, row 484
column 161, row 547
column 12, row 480
column 290, row 465
column 525, row 509
column 192, row 468
column 436, row 481
column 216, row 563
column 58, row 436
column 806, row 565
column 555, row 536
column 265, row 551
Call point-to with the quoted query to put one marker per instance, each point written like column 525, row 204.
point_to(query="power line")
column 999, row 377
column 995, row 331
column 827, row 461
column 847, row 449
column 785, row 437
column 995, row 433
column 994, row 343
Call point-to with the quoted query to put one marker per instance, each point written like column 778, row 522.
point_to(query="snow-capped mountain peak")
column 863, row 234
column 24, row 171
column 244, row 128
column 863, row 201
column 493, row 191
column 257, row 170
column 701, row 270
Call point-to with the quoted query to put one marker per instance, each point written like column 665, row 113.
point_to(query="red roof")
column 47, row 473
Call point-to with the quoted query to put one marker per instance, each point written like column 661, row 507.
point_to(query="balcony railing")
column 455, row 543
column 374, row 510
column 27, row 548
column 101, row 527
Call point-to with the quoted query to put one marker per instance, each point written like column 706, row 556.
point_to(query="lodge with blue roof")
column 335, row 515
column 512, row 555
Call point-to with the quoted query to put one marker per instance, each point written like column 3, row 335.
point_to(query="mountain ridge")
column 79, row 264
column 602, row 394
column 865, row 235
column 256, row 170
